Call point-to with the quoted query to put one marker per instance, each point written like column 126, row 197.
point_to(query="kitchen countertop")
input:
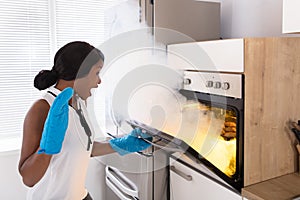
column 280, row 188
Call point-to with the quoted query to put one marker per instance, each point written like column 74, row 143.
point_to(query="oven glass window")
column 215, row 135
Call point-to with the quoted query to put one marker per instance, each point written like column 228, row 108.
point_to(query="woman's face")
column 84, row 85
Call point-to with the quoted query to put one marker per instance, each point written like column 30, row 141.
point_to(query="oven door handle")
column 180, row 173
column 166, row 147
column 121, row 181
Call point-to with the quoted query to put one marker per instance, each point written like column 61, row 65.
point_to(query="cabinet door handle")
column 121, row 181
column 180, row 173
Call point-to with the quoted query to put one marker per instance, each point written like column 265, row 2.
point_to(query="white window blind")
column 84, row 21
column 24, row 49
column 31, row 32
column 81, row 20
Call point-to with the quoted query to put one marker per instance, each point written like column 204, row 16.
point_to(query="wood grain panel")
column 272, row 97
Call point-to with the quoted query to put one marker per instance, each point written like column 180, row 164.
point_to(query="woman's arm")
column 32, row 166
column 101, row 148
column 127, row 144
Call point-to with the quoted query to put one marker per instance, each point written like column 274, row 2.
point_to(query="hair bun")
column 45, row 78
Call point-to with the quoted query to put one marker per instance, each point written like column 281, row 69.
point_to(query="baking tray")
column 160, row 139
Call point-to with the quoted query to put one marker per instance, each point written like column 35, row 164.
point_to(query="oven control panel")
column 224, row 84
column 218, row 85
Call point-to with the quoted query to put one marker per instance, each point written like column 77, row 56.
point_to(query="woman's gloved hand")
column 131, row 142
column 56, row 123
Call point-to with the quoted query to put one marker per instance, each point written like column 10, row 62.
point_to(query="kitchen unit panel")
column 290, row 16
column 272, row 96
column 186, row 183
column 199, row 20
column 217, row 55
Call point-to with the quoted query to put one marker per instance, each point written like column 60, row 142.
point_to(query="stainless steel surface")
column 198, row 20
column 164, row 145
column 136, row 168
column 120, row 182
column 229, row 85
column 149, row 13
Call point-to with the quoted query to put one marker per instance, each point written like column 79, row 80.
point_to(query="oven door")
column 223, row 152
column 218, row 140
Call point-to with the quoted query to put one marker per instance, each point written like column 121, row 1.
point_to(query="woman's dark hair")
column 74, row 60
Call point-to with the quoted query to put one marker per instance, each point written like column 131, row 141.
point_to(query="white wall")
column 11, row 186
column 251, row 18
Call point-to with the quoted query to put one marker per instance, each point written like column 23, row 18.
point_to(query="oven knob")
column 187, row 81
column 218, row 85
column 209, row 83
column 226, row 86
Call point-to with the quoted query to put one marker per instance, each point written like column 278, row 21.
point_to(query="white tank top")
column 66, row 173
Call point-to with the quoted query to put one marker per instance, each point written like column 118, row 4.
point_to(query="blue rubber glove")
column 130, row 143
column 56, row 124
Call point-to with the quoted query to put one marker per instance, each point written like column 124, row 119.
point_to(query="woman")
column 57, row 136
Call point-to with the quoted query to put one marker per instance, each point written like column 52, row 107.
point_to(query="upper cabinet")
column 291, row 16
column 217, row 55
column 199, row 20
column 182, row 20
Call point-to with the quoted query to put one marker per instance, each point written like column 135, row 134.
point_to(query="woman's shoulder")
column 40, row 104
column 38, row 110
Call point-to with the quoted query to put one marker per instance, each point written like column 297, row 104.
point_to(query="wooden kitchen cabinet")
column 272, row 96
column 186, row 183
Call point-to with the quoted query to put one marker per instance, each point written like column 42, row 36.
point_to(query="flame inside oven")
column 215, row 135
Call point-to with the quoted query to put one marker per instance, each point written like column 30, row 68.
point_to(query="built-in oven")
column 215, row 100
column 219, row 143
